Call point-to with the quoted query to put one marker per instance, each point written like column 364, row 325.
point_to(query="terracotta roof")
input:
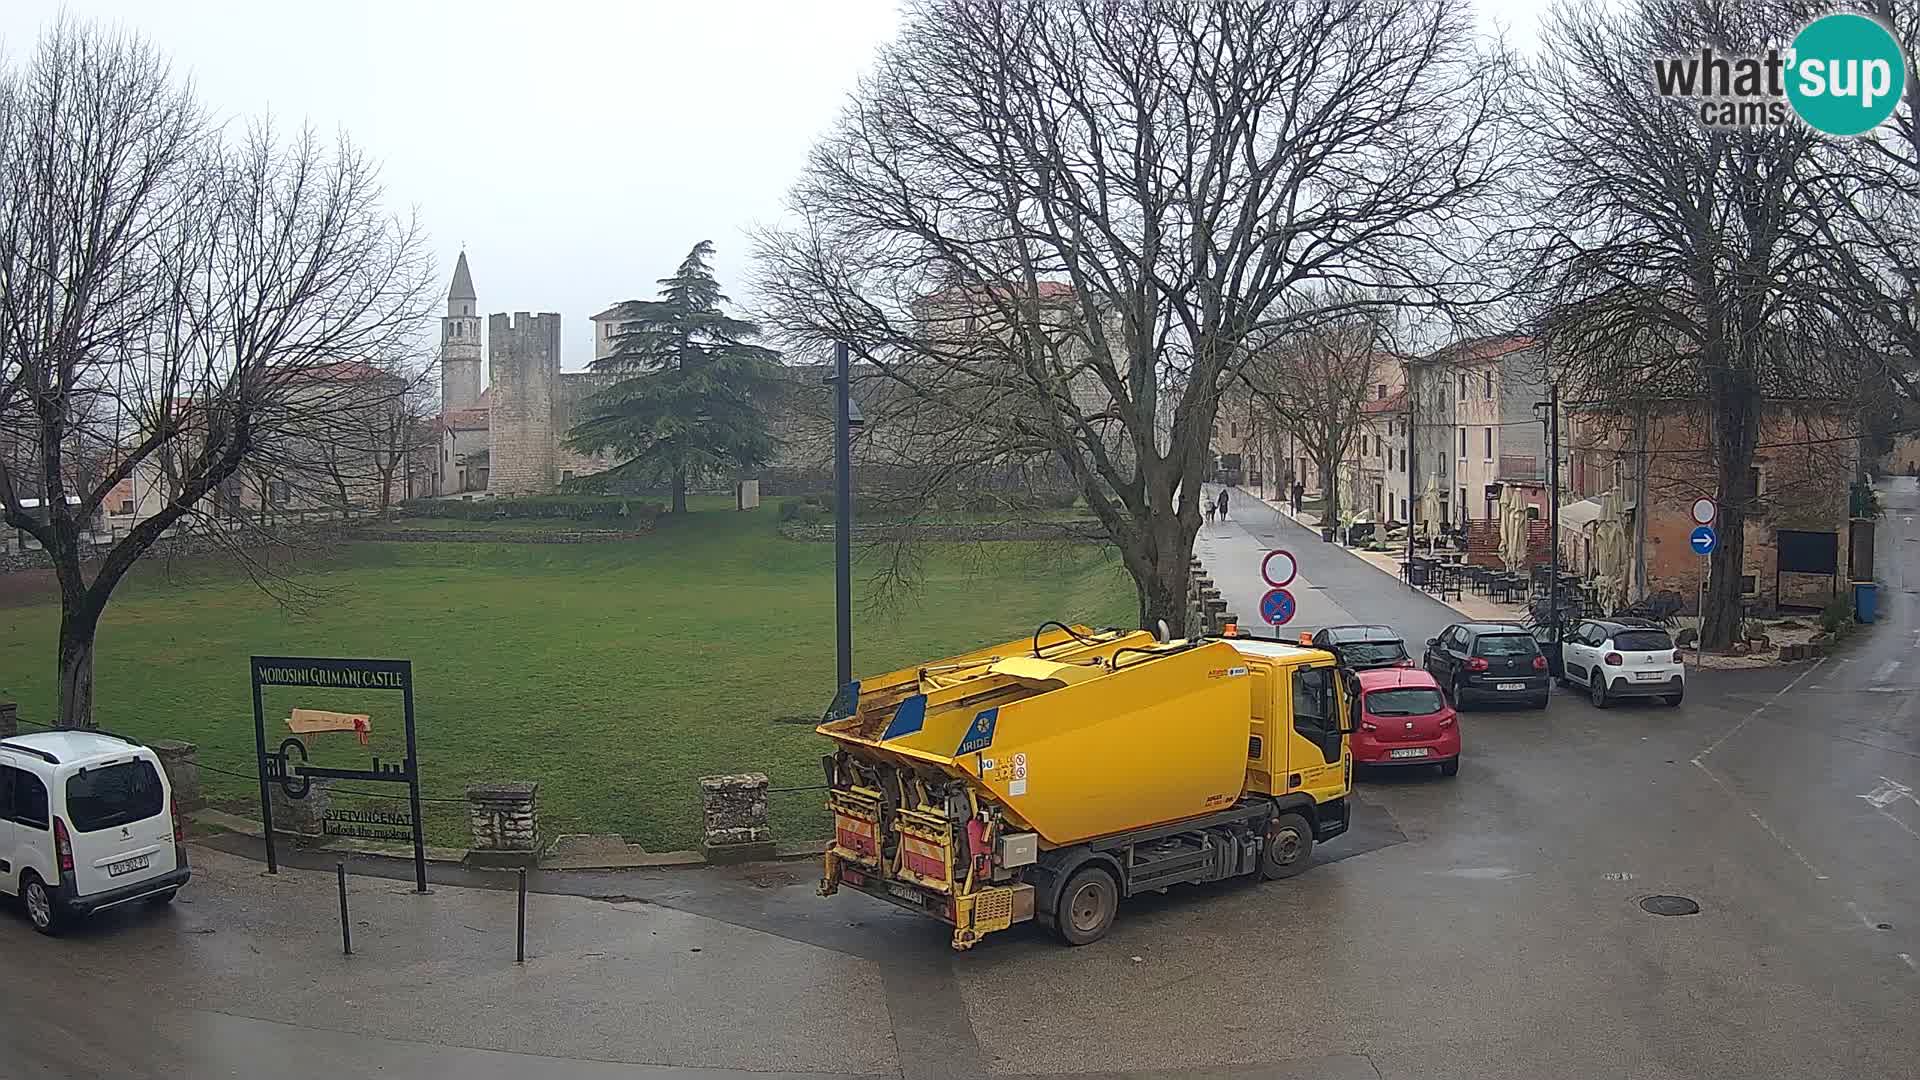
column 476, row 419
column 1395, row 402
column 1480, row 350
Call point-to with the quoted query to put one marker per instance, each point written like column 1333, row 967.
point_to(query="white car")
column 1617, row 660
column 87, row 823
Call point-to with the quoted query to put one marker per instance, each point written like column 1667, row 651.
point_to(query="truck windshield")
column 1405, row 701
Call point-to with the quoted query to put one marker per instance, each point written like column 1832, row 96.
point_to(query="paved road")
column 1482, row 927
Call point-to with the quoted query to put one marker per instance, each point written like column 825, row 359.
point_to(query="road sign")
column 1279, row 568
column 1704, row 540
column 1704, row 512
column 1277, row 607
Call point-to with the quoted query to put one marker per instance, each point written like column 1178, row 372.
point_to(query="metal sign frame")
column 296, row 778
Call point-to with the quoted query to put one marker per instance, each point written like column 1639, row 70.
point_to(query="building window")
column 1403, row 510
column 126, row 507
column 1754, row 481
column 1380, row 392
column 1376, row 443
column 1463, row 442
column 1233, row 427
column 277, row 492
column 1489, row 388
column 1489, row 444
column 1463, row 386
column 1464, row 516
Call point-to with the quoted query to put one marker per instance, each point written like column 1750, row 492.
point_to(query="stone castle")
column 504, row 436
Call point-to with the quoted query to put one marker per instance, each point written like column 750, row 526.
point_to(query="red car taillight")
column 1366, row 726
column 1477, row 663
column 1447, row 720
column 1539, row 663
column 62, row 846
column 1613, row 659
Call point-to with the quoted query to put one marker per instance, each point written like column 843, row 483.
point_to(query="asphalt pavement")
column 1486, row 926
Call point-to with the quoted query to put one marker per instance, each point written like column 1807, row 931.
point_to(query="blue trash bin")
column 1866, row 601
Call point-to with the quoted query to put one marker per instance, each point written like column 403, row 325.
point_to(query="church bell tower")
column 460, row 355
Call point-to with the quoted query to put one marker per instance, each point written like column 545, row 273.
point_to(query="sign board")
column 1704, row 511
column 979, row 734
column 1703, row 540
column 288, row 765
column 1279, row 568
column 1277, row 607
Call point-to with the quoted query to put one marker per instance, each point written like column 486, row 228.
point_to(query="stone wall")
column 505, row 822
column 570, row 395
column 524, row 352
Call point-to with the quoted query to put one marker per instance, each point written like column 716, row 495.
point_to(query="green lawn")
column 612, row 673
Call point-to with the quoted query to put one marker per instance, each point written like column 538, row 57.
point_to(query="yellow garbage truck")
column 1049, row 778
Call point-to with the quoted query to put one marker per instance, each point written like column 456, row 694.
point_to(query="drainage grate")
column 1669, row 905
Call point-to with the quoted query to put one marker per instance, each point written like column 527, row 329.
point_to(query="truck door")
column 1316, row 759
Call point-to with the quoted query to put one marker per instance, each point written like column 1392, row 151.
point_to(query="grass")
column 614, row 674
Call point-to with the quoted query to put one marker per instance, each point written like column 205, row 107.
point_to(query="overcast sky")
column 576, row 148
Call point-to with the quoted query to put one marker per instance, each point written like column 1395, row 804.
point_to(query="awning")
column 1576, row 516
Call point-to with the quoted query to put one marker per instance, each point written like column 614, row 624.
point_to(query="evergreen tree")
column 689, row 389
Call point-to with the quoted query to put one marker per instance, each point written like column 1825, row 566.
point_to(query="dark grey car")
column 1478, row 662
column 1364, row 646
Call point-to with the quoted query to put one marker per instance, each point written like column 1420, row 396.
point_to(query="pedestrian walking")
column 1209, row 511
column 1223, row 504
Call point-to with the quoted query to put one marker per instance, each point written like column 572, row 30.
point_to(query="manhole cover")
column 1669, row 905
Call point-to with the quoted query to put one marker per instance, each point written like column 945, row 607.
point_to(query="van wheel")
column 1087, row 906
column 41, row 910
column 1289, row 847
column 161, row 899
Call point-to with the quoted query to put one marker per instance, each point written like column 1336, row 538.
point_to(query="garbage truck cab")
column 1049, row 779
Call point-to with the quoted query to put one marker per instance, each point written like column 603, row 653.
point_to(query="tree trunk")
column 1330, row 494
column 1160, row 573
column 1736, row 424
column 679, row 490
column 75, row 693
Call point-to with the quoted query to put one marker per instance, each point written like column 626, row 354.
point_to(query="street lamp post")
column 845, row 418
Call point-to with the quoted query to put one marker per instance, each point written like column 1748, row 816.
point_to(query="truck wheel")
column 1289, row 847
column 1087, row 906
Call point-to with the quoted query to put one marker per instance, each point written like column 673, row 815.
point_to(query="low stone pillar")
column 505, row 822
column 181, row 760
column 734, row 808
column 303, row 818
column 9, row 719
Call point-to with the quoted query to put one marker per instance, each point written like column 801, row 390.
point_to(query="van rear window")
column 112, row 795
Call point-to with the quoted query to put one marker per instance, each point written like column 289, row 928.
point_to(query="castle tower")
column 460, row 343
column 524, row 353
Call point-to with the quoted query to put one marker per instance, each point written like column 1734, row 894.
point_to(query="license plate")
column 1409, row 751
column 128, row 866
column 1649, row 676
column 905, row 892
column 1511, row 686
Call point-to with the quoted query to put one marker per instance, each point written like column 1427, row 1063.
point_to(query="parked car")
column 1404, row 719
column 1617, row 659
column 88, row 824
column 1478, row 661
column 1361, row 647
column 1543, row 636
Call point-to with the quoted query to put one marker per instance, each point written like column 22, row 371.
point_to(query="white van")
column 87, row 822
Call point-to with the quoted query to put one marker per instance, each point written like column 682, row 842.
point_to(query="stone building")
column 506, row 438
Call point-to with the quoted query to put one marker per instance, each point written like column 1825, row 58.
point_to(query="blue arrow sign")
column 1277, row 607
column 1704, row 539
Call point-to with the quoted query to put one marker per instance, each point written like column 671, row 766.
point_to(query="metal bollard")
column 346, row 928
column 520, row 930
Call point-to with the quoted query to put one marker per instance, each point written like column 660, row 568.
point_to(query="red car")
column 1405, row 720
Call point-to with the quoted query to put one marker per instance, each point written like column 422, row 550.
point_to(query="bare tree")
column 170, row 304
column 1038, row 214
column 1317, row 383
column 1673, row 258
